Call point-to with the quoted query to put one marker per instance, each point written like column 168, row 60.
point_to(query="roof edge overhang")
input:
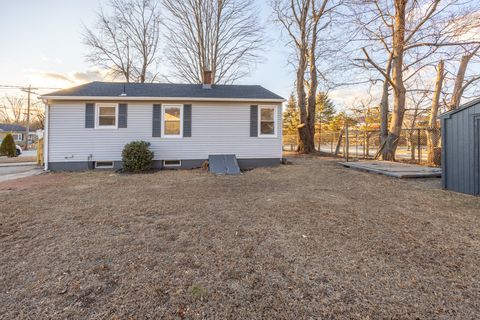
column 126, row 98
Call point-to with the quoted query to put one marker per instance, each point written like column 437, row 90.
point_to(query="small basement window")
column 107, row 114
column 172, row 163
column 103, row 164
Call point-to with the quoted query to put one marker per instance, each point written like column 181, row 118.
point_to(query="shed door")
column 476, row 166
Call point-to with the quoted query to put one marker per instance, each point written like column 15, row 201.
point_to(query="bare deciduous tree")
column 126, row 42
column 461, row 84
column 14, row 109
column 409, row 35
column 303, row 21
column 4, row 117
column 223, row 36
column 37, row 111
column 433, row 137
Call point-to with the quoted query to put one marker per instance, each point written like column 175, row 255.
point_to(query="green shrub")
column 8, row 148
column 137, row 156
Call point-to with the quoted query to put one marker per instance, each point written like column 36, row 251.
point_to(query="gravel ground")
column 306, row 241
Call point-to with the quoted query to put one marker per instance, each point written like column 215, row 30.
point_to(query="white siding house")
column 88, row 130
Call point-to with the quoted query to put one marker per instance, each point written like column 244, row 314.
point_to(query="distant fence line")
column 364, row 144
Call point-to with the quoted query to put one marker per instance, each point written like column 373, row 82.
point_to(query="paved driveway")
column 11, row 172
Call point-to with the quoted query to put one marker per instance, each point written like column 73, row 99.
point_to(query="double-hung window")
column 172, row 117
column 267, row 121
column 18, row 136
column 107, row 115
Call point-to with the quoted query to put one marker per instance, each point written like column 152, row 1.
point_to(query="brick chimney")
column 207, row 79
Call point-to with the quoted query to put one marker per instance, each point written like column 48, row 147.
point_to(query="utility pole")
column 27, row 130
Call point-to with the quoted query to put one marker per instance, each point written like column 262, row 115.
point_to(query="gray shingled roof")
column 165, row 90
column 11, row 127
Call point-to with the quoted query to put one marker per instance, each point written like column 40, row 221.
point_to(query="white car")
column 19, row 150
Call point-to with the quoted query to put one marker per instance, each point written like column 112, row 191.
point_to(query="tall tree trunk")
column 432, row 132
column 458, row 88
column 384, row 104
column 339, row 142
column 302, row 128
column 312, row 90
column 397, row 78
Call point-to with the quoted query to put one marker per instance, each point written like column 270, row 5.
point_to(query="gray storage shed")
column 461, row 148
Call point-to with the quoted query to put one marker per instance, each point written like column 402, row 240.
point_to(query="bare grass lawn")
column 18, row 159
column 312, row 240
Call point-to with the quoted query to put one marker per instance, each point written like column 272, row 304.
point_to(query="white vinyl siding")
column 216, row 129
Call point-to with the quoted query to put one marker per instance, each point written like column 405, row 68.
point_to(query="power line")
column 7, row 86
column 29, row 90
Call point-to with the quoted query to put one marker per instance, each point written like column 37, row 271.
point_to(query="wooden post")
column 40, row 152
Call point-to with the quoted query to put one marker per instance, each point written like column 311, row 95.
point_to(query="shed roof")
column 461, row 108
column 5, row 127
column 131, row 91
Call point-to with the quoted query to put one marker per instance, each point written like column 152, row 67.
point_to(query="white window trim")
column 97, row 115
column 172, row 165
column 172, row 136
column 104, row 167
column 275, row 122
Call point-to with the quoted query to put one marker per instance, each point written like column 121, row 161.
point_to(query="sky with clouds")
column 41, row 45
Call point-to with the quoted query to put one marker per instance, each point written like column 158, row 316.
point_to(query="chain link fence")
column 355, row 143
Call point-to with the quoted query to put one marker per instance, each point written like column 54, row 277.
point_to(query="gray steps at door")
column 223, row 164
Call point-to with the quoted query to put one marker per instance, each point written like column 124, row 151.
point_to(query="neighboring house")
column 88, row 126
column 17, row 132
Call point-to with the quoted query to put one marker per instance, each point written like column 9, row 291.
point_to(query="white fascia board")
column 118, row 98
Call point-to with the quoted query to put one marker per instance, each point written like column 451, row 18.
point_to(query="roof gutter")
column 123, row 98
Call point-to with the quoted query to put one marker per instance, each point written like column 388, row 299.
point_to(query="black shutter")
column 90, row 115
column 253, row 121
column 157, row 120
column 122, row 115
column 187, row 120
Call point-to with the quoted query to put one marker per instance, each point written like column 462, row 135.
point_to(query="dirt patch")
column 310, row 240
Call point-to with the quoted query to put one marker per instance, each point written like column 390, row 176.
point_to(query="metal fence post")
column 364, row 143
column 419, row 146
column 319, row 141
column 331, row 143
column 347, row 142
column 356, row 144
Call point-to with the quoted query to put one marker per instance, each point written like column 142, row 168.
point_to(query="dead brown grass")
column 18, row 159
column 306, row 241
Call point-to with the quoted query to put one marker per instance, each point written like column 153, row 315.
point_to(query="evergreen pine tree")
column 291, row 117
